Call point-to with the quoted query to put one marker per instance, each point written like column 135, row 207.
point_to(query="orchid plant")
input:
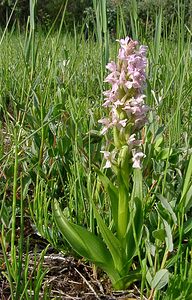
column 127, row 114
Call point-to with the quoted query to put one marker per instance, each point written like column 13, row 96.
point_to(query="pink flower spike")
column 127, row 108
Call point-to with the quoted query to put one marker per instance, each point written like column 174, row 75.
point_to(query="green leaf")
column 5, row 215
column 127, row 280
column 159, row 234
column 149, row 277
column 81, row 240
column 158, row 135
column 26, row 183
column 86, row 244
column 187, row 227
column 123, row 170
column 188, row 200
column 160, row 280
column 164, row 153
column 112, row 191
column 169, row 238
column 135, row 226
column 134, row 230
column 158, row 142
column 168, row 207
column 187, row 180
column 123, row 210
column 164, row 214
column 171, row 262
column 111, row 241
column 137, row 186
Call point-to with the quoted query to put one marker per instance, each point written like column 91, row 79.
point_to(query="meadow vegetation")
column 51, row 96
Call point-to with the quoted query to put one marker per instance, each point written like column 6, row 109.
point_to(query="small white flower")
column 133, row 142
column 137, row 156
column 109, row 156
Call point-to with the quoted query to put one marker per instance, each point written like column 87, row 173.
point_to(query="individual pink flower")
column 111, row 66
column 113, row 77
column 107, row 124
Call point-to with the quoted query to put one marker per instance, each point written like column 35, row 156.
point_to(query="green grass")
column 50, row 103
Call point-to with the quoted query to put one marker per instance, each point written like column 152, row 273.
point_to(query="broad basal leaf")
column 86, row 244
column 81, row 240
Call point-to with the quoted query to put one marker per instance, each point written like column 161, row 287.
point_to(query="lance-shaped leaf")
column 111, row 241
column 123, row 211
column 112, row 192
column 134, row 229
column 168, row 207
column 188, row 199
column 169, row 237
column 135, row 226
column 186, row 183
column 137, row 186
column 86, row 244
column 81, row 240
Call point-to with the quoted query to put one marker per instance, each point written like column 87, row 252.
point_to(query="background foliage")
column 78, row 11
